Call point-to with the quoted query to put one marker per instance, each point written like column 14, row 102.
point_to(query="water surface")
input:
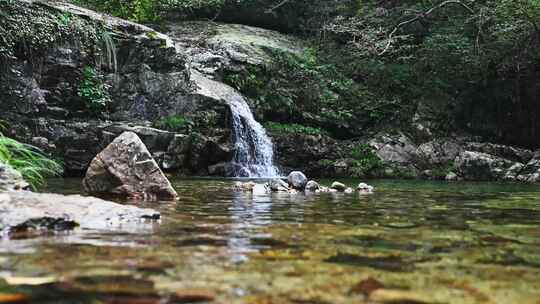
column 418, row 242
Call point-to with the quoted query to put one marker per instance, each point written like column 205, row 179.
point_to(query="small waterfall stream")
column 254, row 151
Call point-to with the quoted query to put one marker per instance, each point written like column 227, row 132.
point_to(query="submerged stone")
column 23, row 210
column 126, row 168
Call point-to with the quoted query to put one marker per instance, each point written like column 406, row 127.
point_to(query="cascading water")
column 254, row 151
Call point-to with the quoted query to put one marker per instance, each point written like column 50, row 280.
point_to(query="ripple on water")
column 427, row 242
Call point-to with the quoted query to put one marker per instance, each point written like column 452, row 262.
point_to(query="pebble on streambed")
column 297, row 182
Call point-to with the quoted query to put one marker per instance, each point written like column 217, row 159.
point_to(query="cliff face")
column 73, row 79
column 94, row 76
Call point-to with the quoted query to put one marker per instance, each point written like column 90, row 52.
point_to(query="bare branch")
column 270, row 10
column 421, row 16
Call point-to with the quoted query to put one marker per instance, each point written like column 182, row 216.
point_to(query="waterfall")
column 254, row 152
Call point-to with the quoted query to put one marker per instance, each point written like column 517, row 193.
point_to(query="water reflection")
column 441, row 243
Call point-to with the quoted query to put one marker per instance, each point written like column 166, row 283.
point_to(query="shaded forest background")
column 452, row 66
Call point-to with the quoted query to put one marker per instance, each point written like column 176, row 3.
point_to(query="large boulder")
column 11, row 179
column 482, row 166
column 297, row 180
column 508, row 152
column 395, row 149
column 23, row 210
column 531, row 171
column 126, row 168
column 437, row 153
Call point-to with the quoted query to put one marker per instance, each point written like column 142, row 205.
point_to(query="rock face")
column 126, row 168
column 531, row 171
column 482, row 166
column 11, row 179
column 297, row 180
column 23, row 210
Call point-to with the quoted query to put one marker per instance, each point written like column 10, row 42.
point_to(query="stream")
column 410, row 242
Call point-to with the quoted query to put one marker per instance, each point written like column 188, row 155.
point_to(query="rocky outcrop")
column 126, row 168
column 530, row 172
column 218, row 47
column 481, row 166
column 11, row 179
column 24, row 210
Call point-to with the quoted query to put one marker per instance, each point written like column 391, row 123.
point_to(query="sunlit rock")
column 364, row 188
column 126, row 168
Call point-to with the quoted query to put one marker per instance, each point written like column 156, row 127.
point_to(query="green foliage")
column 32, row 164
column 305, row 89
column 292, row 128
column 134, row 10
column 174, row 123
column 365, row 159
column 93, row 91
column 27, row 34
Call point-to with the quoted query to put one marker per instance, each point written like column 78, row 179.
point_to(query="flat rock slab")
column 21, row 210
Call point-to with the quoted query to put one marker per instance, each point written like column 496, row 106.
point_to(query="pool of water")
column 410, row 242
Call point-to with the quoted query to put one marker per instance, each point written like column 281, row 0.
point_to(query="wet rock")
column 338, row 186
column 438, row 152
column 513, row 172
column 11, row 179
column 364, row 188
column 297, row 180
column 388, row 263
column 28, row 210
column 531, row 172
column 323, row 189
column 244, row 187
column 481, row 166
column 126, row 168
column 312, row 186
column 394, row 149
column 511, row 153
column 278, row 185
column 451, row 177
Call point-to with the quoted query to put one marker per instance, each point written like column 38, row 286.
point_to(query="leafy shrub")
column 292, row 128
column 93, row 91
column 174, row 123
column 365, row 158
column 32, row 164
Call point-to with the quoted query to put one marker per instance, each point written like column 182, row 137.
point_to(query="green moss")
column 365, row 159
column 292, row 128
column 93, row 91
column 28, row 31
column 174, row 123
